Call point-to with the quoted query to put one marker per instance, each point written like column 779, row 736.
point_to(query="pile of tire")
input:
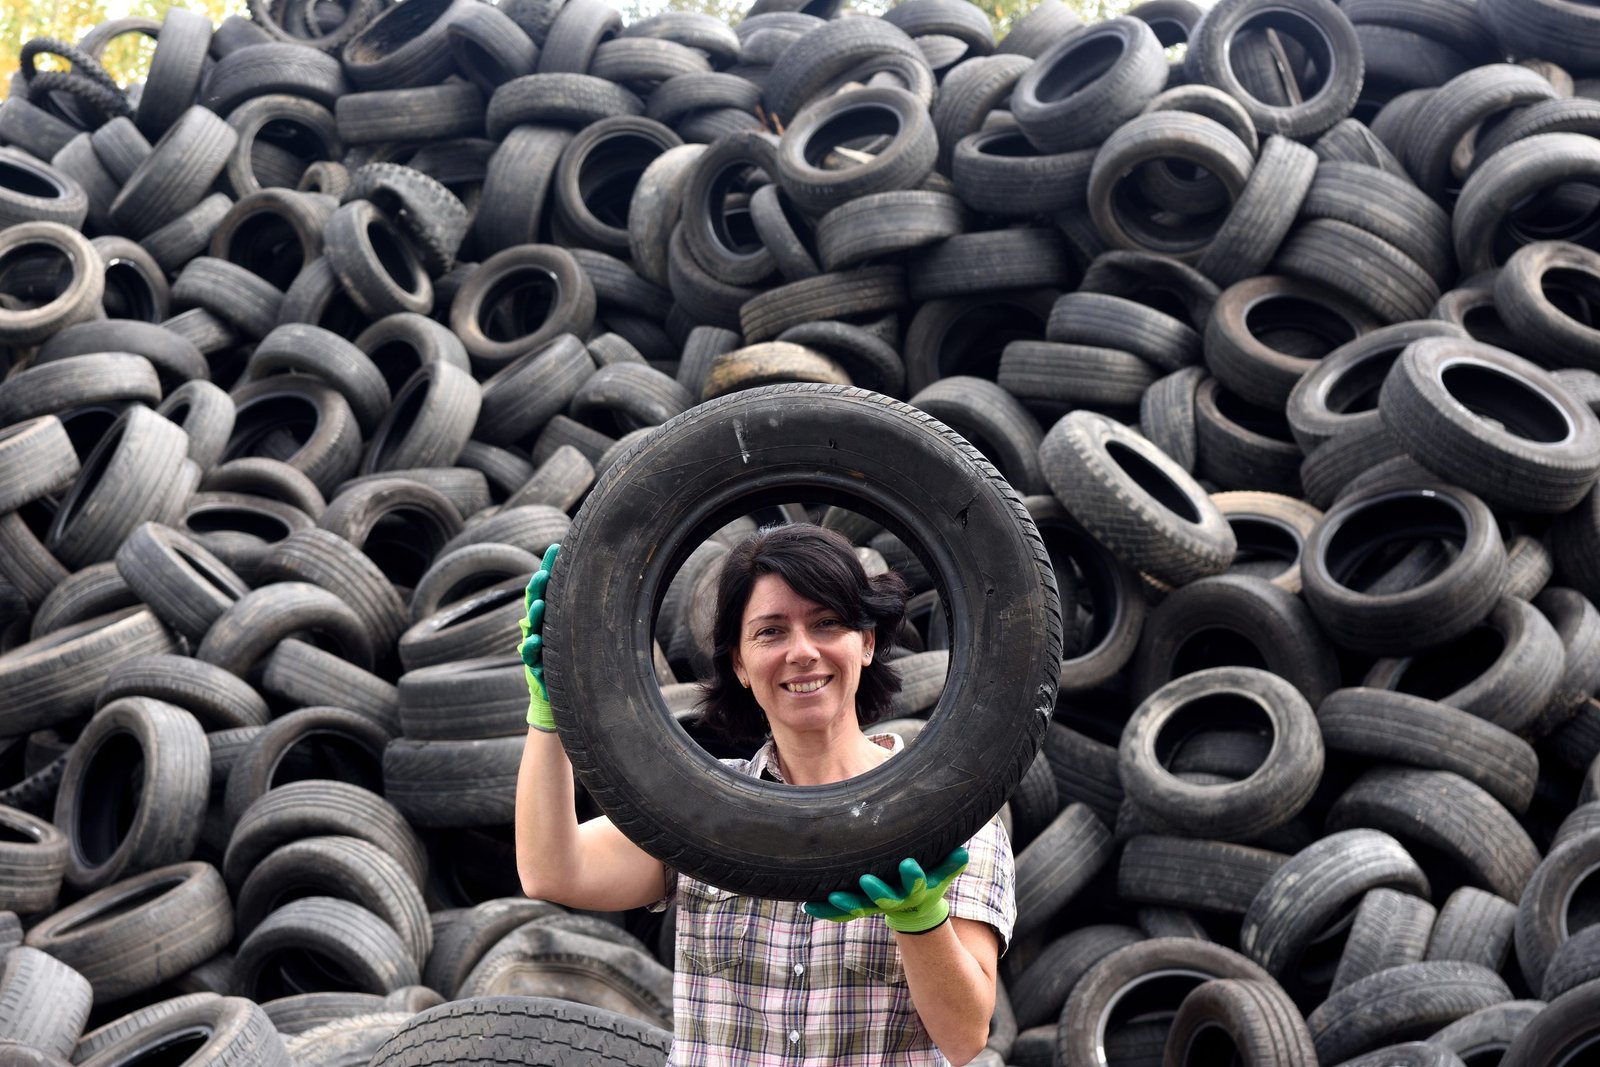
column 314, row 340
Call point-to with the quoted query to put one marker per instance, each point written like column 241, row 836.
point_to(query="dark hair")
column 820, row 565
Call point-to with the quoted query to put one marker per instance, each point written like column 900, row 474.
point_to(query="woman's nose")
column 802, row 649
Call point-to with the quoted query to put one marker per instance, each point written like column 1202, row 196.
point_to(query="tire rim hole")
column 1362, row 547
column 1483, row 323
column 291, row 971
column 324, row 754
column 1154, row 481
column 1298, row 327
column 1230, row 712
column 1516, row 405
column 1575, row 293
column 974, row 342
column 125, row 905
column 1267, row 547
column 1356, row 390
column 36, row 274
column 1294, row 34
column 1261, row 421
column 16, row 835
column 222, row 519
column 268, row 246
column 1213, row 1045
column 397, row 27
column 611, row 172
column 273, row 427
column 1484, row 1055
column 1009, row 144
column 403, row 544
column 1153, row 227
column 861, row 127
column 1566, row 211
column 393, row 256
column 171, row 1050
column 518, row 304
column 1438, row 672
column 402, row 417
column 231, row 589
column 106, row 812
column 1581, row 908
column 397, row 361
column 128, row 293
column 94, row 469
column 1151, row 998
column 28, row 182
column 1080, row 66
column 86, row 426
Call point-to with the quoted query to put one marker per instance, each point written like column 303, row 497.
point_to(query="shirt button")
column 799, row 968
column 794, row 1037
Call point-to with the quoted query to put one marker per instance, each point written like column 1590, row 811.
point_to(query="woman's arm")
column 590, row 866
column 951, row 973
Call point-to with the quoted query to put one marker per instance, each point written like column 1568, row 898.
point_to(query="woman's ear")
column 869, row 643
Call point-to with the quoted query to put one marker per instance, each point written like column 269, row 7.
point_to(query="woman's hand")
column 916, row 907
column 532, row 647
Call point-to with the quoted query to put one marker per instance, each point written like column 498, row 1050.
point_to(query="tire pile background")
column 314, row 342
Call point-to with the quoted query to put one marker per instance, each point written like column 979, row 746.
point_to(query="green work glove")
column 916, row 907
column 532, row 647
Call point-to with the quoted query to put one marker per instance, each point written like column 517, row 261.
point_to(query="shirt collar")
column 765, row 762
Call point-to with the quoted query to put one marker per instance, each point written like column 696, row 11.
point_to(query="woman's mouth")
column 805, row 687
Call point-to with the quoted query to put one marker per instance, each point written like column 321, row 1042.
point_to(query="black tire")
column 53, row 680
column 344, row 867
column 1164, row 135
column 308, row 676
column 1267, row 798
column 476, row 625
column 1390, row 929
column 43, row 1005
column 598, row 172
column 187, row 587
column 1234, row 619
column 319, row 807
column 428, row 423
column 1484, row 228
column 1299, row 899
column 107, row 935
column 1474, row 926
column 1562, row 1033
column 34, row 861
column 305, row 349
column 176, row 175
column 1087, row 318
column 1323, row 30
column 65, row 301
column 154, row 816
column 1349, row 540
column 36, row 459
column 219, row 700
column 828, row 55
column 257, row 621
column 1254, row 1021
column 511, row 203
column 1261, row 216
column 627, row 794
column 567, row 100
column 1412, row 730
column 1169, row 968
column 1515, row 681
column 486, row 1030
column 580, row 967
column 902, row 163
column 206, row 414
column 1142, row 505
column 224, row 1029
column 327, row 447
column 1546, row 459
column 1478, row 841
column 571, row 307
column 1057, row 864
column 1090, row 82
column 1198, row 875
column 453, row 784
column 1404, row 1002
column 322, row 941
column 311, row 743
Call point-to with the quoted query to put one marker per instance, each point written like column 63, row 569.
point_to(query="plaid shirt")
column 759, row 983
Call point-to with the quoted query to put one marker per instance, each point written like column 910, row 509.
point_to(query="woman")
column 896, row 974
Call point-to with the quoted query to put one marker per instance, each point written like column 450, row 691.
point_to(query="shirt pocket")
column 713, row 927
column 870, row 951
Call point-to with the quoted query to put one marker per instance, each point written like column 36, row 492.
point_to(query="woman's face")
column 801, row 661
